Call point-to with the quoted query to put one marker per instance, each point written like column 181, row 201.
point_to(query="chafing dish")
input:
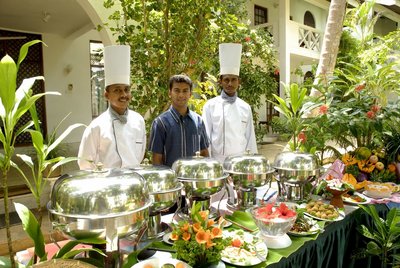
column 247, row 172
column 106, row 204
column 201, row 178
column 295, row 170
column 165, row 189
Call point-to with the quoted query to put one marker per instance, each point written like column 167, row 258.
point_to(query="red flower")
column 375, row 108
column 370, row 114
column 276, row 72
column 247, row 39
column 285, row 211
column 323, row 109
column 360, row 87
column 302, row 137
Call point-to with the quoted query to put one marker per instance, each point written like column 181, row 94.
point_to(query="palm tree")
column 330, row 43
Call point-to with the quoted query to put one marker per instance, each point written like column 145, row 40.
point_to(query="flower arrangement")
column 199, row 241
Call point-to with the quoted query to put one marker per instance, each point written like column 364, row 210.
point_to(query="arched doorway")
column 309, row 19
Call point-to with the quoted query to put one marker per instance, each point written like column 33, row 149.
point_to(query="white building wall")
column 67, row 62
column 298, row 8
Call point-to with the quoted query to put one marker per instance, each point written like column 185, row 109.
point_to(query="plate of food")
column 305, row 226
column 322, row 211
column 355, row 198
column 246, row 249
column 167, row 238
column 378, row 190
column 162, row 263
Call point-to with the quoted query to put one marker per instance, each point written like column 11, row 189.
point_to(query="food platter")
column 339, row 218
column 314, row 229
column 166, row 238
column 377, row 195
column 252, row 251
column 356, row 199
column 322, row 212
column 161, row 263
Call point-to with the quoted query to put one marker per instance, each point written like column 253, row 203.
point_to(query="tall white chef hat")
column 117, row 65
column 229, row 58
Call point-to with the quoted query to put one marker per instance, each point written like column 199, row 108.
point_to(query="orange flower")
column 349, row 178
column 216, row 232
column 202, row 237
column 348, row 159
column 209, row 243
column 392, row 168
column 210, row 222
column 186, row 236
column 203, row 214
column 365, row 166
column 174, row 236
column 197, row 227
column 185, row 227
column 323, row 109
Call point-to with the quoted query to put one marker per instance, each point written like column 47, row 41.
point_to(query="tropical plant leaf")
column 63, row 136
column 8, row 76
column 73, row 253
column 27, row 160
column 32, row 228
column 373, row 248
column 24, row 50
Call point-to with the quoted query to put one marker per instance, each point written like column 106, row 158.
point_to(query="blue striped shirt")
column 176, row 136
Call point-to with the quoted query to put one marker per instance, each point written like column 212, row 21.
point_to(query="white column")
column 284, row 53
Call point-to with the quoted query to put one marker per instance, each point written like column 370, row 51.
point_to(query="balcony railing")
column 309, row 38
column 300, row 36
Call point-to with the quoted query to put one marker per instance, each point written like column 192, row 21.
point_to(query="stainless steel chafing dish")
column 201, row 178
column 247, row 172
column 166, row 191
column 107, row 204
column 293, row 171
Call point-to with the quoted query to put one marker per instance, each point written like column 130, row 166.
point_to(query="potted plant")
column 295, row 107
column 14, row 104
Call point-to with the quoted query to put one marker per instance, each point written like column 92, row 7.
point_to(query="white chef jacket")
column 113, row 143
column 229, row 128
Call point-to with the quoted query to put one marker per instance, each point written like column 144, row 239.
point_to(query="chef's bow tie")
column 123, row 118
column 228, row 98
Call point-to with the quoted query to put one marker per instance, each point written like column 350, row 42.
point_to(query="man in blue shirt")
column 178, row 132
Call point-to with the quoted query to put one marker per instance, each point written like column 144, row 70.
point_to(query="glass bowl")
column 274, row 219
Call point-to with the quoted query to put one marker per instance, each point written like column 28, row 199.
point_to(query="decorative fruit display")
column 367, row 165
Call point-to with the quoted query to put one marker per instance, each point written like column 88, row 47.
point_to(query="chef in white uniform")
column 228, row 119
column 116, row 138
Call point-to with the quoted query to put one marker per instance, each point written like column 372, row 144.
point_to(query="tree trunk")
column 330, row 44
column 7, row 219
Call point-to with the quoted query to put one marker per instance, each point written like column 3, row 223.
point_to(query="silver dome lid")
column 99, row 194
column 247, row 163
column 158, row 178
column 294, row 163
column 198, row 168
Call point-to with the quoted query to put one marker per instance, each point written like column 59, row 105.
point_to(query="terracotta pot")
column 336, row 199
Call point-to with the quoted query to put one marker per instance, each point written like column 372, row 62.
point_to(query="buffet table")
column 332, row 248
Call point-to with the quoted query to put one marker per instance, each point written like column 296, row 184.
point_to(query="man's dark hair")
column 180, row 78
